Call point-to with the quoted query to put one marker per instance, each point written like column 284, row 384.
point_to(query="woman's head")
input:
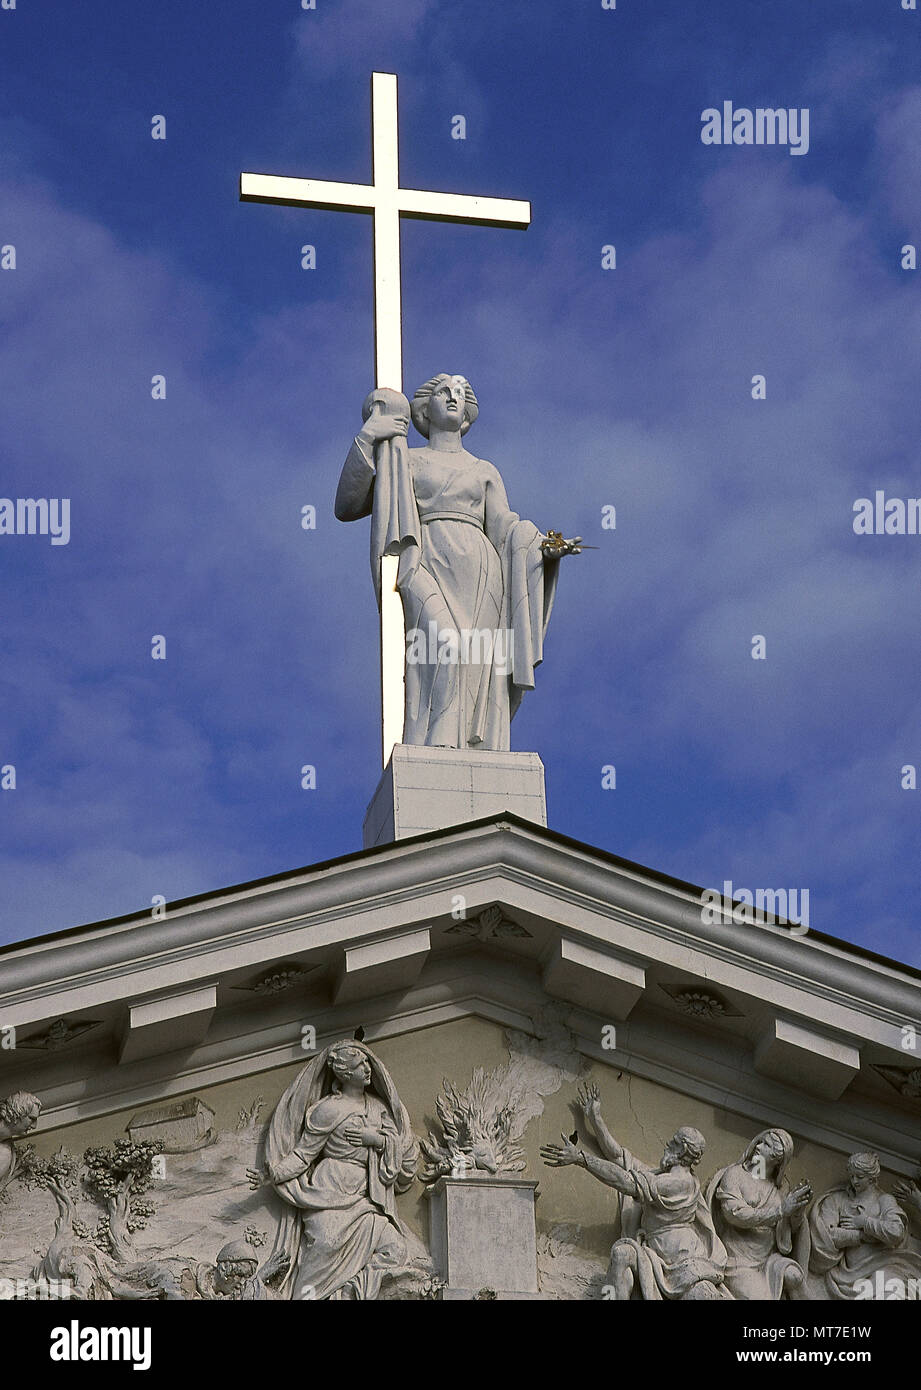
column 774, row 1149
column 863, row 1169
column 349, row 1062
column 444, row 396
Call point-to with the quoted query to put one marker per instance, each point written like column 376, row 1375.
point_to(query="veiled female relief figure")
column 477, row 583
column 339, row 1149
column 761, row 1225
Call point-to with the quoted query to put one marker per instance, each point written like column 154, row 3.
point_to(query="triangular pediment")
column 496, row 919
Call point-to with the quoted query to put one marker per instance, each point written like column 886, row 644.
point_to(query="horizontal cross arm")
column 363, row 197
column 317, row 193
column 463, row 207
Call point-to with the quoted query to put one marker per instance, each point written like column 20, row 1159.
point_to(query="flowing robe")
column 468, row 565
column 9, row 1162
column 667, row 1224
column 881, row 1246
column 349, row 1231
column 748, row 1217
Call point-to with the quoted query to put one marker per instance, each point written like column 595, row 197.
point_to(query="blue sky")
column 633, row 387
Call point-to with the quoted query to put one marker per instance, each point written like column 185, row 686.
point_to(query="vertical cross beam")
column 388, row 303
column 388, row 367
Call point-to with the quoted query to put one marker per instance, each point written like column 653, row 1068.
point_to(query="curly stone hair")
column 17, row 1106
column 426, row 391
column 343, row 1057
column 692, row 1143
column 864, row 1165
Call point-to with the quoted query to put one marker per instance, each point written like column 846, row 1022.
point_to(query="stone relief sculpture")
column 235, row 1274
column 109, row 1241
column 762, row 1227
column 477, row 1124
column 339, row 1149
column 669, row 1248
column 492, row 924
column 858, row 1232
column 18, row 1116
column 120, row 1178
column 59, row 1034
column 906, row 1080
column 100, row 1264
column 468, row 564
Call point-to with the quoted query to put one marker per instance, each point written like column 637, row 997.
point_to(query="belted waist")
column 451, row 516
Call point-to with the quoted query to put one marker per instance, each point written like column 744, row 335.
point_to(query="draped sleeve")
column 305, row 1152
column 292, row 1172
column 379, row 483
column 355, row 493
column 739, row 1210
column 529, row 581
column 825, row 1253
column 889, row 1227
column 390, row 1161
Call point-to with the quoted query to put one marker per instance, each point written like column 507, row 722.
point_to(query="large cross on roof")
column 387, row 202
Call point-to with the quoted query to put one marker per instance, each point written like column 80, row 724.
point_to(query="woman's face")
column 447, row 404
column 361, row 1072
column 860, row 1180
column 770, row 1149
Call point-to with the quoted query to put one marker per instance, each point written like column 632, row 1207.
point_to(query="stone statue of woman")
column 339, row 1148
column 477, row 583
column 760, row 1224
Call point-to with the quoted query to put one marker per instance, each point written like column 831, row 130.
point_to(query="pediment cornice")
column 581, row 926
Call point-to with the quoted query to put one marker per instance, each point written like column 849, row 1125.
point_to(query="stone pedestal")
column 426, row 789
column 484, row 1236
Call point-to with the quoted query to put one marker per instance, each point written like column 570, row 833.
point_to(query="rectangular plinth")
column 425, row 789
column 484, row 1235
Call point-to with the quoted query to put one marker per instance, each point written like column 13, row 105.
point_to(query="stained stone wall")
column 203, row 1199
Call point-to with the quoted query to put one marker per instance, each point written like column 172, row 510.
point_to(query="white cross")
column 387, row 202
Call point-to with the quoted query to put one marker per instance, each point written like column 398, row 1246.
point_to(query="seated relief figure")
column 762, row 1227
column 858, row 1232
column 339, row 1148
column 668, row 1248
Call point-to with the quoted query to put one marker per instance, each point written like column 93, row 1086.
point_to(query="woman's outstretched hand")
column 554, row 545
